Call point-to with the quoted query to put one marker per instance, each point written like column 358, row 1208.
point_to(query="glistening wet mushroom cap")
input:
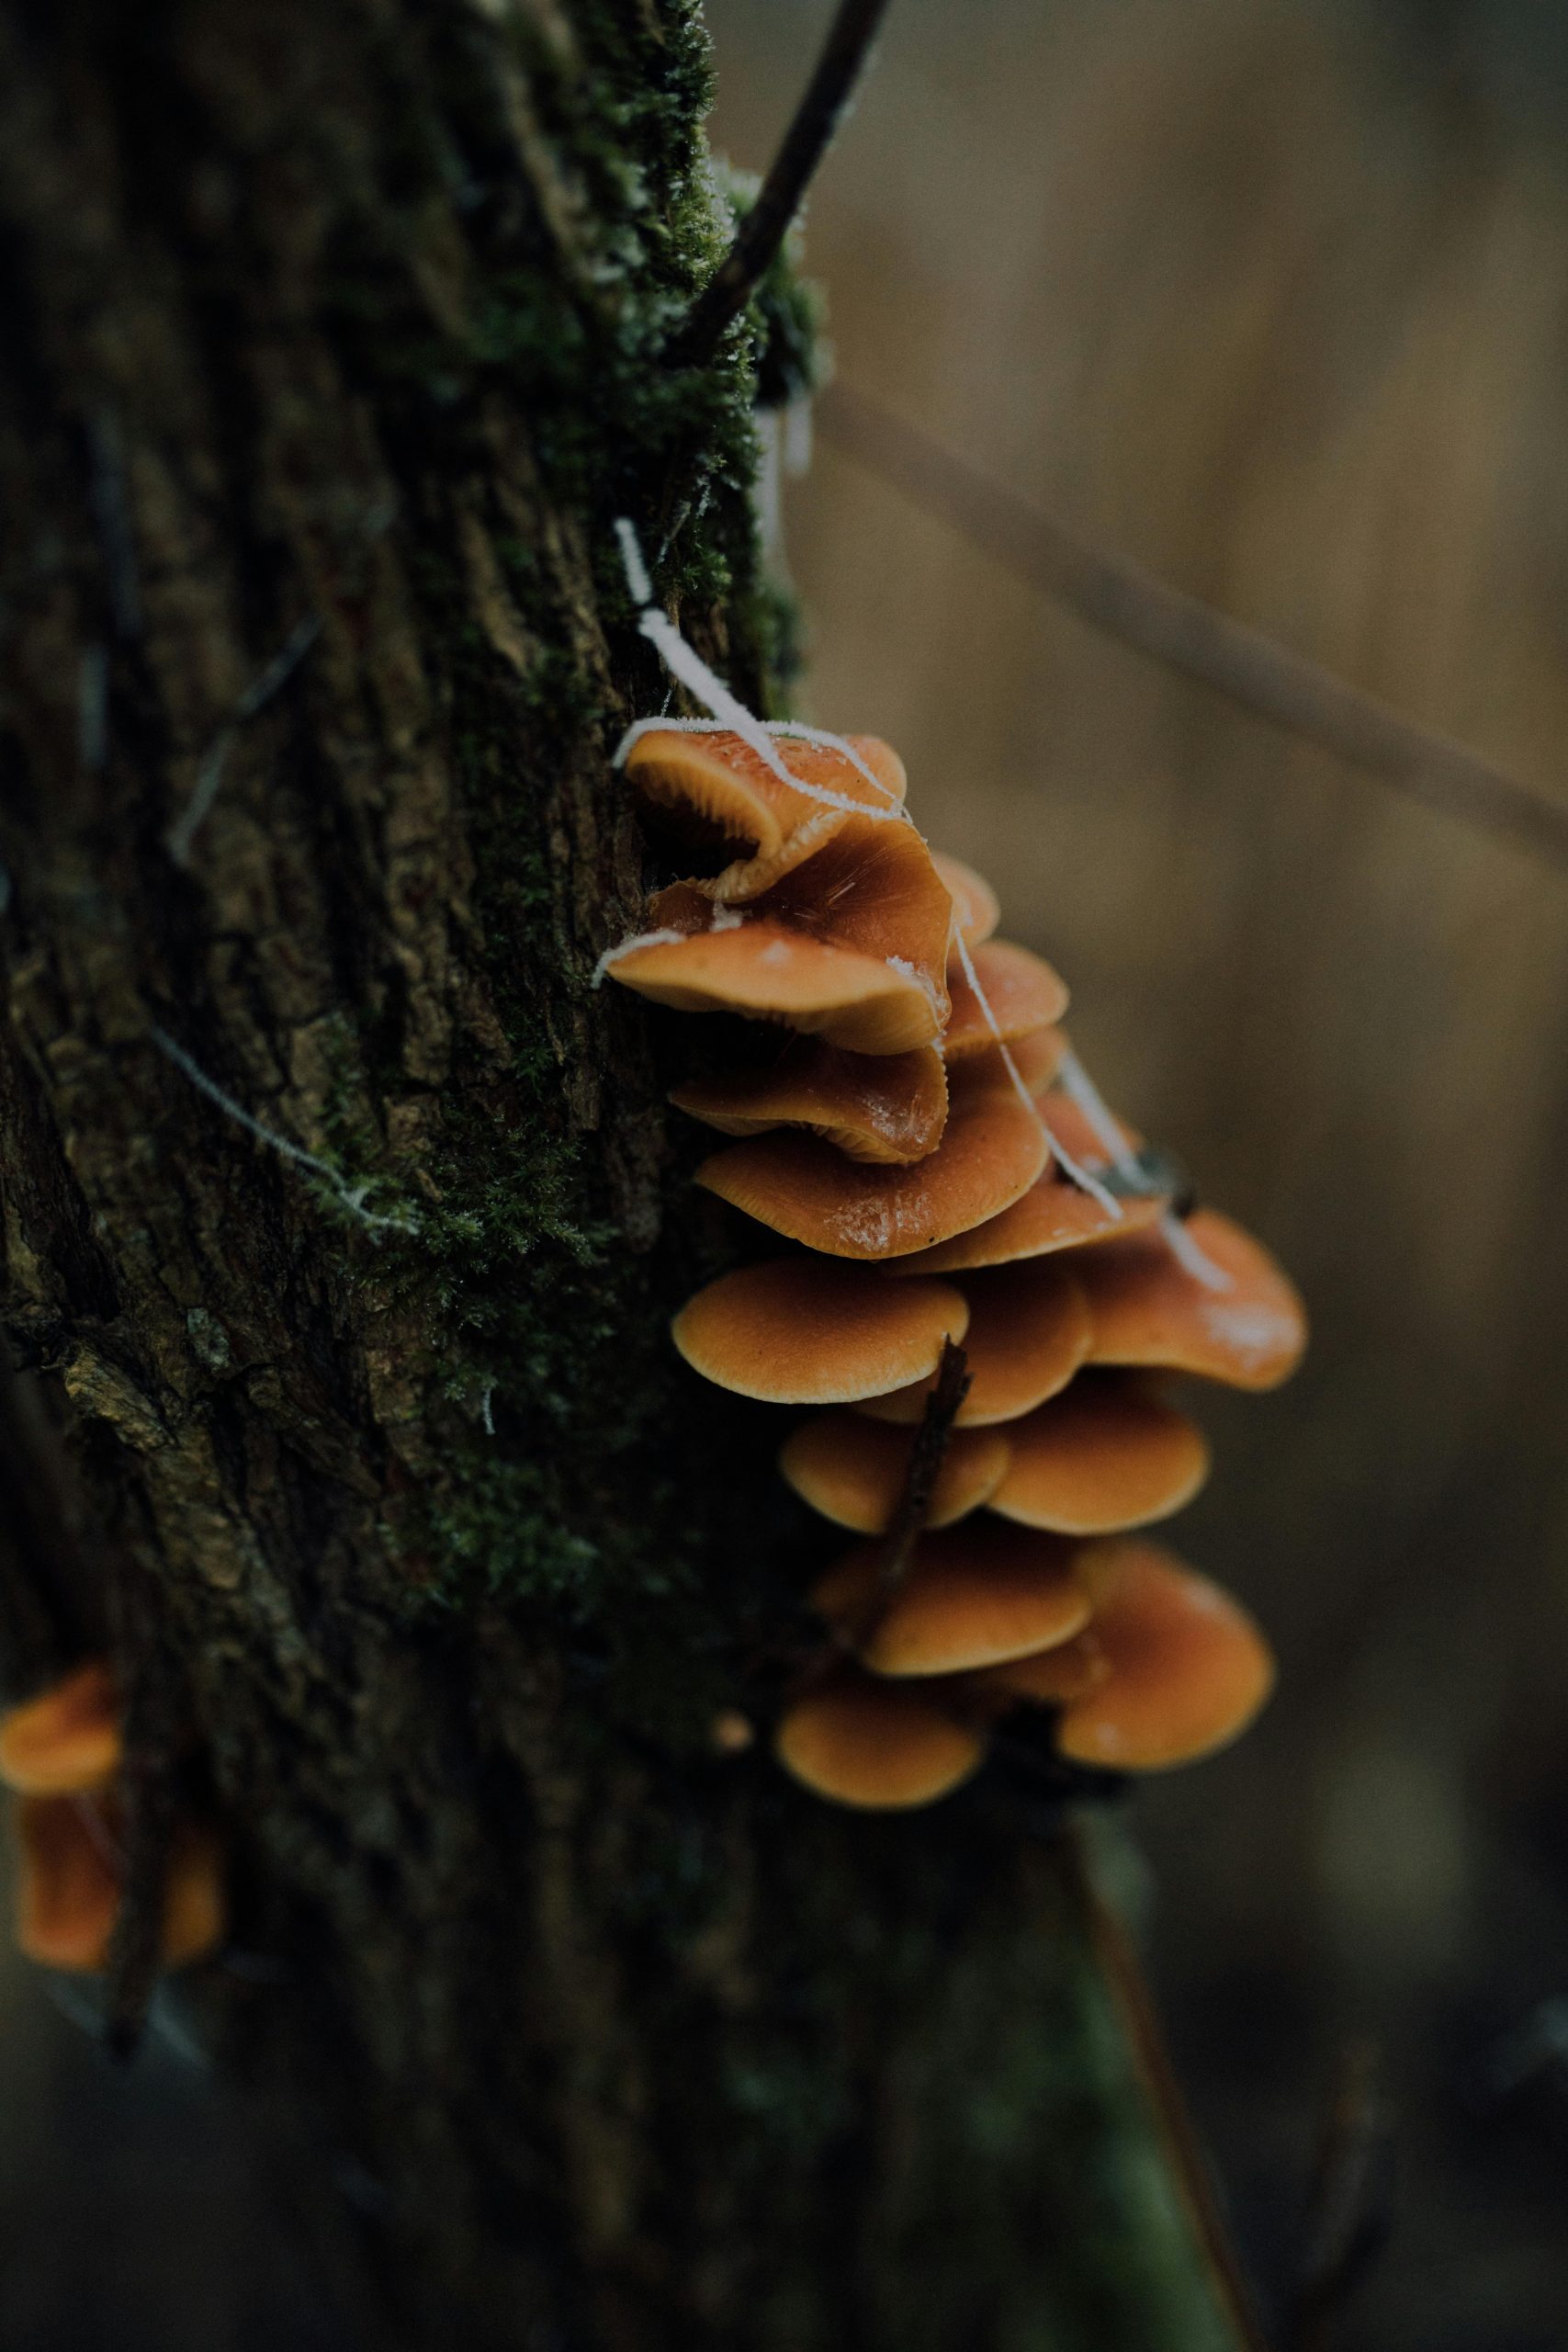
column 65, row 1740
column 873, row 1745
column 1189, row 1667
column 1029, row 1331
column 1148, row 1309
column 975, row 1594
column 800, row 1332
column 1104, row 1455
column 853, row 1471
column 993, row 1148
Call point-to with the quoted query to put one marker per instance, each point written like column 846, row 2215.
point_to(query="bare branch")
column 1114, row 595
column 767, row 225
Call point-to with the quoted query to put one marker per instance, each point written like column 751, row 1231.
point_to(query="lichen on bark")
column 434, row 1559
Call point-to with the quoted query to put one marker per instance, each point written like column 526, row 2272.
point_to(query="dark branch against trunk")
column 342, row 1224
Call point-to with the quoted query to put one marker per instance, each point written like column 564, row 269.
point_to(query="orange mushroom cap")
column 716, row 785
column 853, row 1471
column 975, row 912
column 869, row 1744
column 768, row 970
column 800, row 1332
column 1029, row 1331
column 1148, row 1309
column 975, row 1594
column 882, row 1108
column 1021, row 989
column 1055, row 1213
column 1035, row 1057
column 1189, row 1667
column 993, row 1148
column 1053, row 1678
column 68, row 1883
column 1105, row 1454
column 68, row 1738
column 874, row 888
column 71, row 1881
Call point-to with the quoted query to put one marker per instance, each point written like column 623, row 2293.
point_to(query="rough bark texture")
column 424, row 1564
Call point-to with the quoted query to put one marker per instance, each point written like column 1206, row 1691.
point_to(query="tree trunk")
column 342, row 1225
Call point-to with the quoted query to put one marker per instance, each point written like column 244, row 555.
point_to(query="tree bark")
column 342, row 1225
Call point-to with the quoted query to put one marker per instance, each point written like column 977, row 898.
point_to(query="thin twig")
column 1348, row 2215
column 1114, row 595
column 257, row 694
column 926, row 1455
column 766, row 224
column 1123, row 1979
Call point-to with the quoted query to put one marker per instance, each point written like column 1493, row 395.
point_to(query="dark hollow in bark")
column 333, row 331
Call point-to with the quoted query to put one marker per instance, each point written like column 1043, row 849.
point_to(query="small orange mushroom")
column 883, row 1108
column 1053, row 1678
column 716, row 786
column 871, row 1745
column 1189, row 1667
column 1104, row 1455
column 975, row 912
column 72, row 1879
column 1148, row 1309
column 992, row 1151
column 1029, row 1331
column 853, row 1471
column 800, row 1332
column 1055, row 1213
column 68, row 1738
column 767, row 970
column 1021, row 990
column 974, row 1595
column 1036, row 1058
column 874, row 888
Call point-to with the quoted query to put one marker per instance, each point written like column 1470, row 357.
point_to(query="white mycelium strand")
column 351, row 1196
column 1076, row 1082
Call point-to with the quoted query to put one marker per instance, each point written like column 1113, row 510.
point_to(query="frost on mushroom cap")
column 716, row 786
column 65, row 1740
column 866, row 1743
column 70, row 1884
column 1103, row 1456
column 1189, row 1667
column 767, row 970
column 853, row 1471
column 992, row 1151
column 975, row 1594
column 975, row 912
column 1021, row 989
column 884, row 1108
column 1029, row 1331
column 800, row 1331
column 1148, row 1309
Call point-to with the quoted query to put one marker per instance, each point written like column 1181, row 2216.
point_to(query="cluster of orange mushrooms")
column 900, row 1117
column 61, row 1754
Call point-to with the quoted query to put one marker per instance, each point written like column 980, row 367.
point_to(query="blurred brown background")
column 1276, row 299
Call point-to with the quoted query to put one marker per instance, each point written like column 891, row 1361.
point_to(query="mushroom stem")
column 926, row 1457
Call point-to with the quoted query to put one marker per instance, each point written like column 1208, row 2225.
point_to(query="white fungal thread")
column 1070, row 1167
column 1194, row 1261
column 665, row 938
column 730, row 713
column 352, row 1196
column 487, row 1419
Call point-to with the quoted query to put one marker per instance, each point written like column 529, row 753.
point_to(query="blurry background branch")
column 1112, row 592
